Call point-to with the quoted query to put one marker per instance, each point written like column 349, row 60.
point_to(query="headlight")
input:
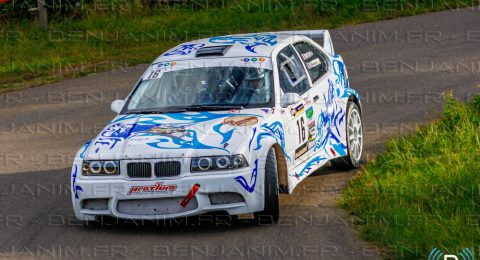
column 215, row 163
column 100, row 168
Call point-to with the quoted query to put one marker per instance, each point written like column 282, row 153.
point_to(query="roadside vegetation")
column 424, row 191
column 87, row 36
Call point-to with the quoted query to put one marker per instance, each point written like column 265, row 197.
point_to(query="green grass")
column 104, row 40
column 424, row 191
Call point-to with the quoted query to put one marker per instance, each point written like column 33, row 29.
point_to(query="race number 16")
column 301, row 130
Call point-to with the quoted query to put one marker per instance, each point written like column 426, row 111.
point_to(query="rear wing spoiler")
column 321, row 37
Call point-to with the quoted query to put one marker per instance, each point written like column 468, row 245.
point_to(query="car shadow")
column 205, row 223
column 37, row 219
column 44, row 198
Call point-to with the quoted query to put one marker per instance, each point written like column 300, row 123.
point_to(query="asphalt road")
column 399, row 66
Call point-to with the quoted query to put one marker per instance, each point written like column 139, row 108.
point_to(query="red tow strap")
column 190, row 195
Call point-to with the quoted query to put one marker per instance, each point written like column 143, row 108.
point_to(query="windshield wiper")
column 212, row 107
column 144, row 112
column 156, row 111
column 185, row 109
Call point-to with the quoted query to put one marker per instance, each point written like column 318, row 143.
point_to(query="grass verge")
column 104, row 41
column 424, row 191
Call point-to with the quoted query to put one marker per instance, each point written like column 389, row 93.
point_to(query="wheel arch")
column 355, row 99
column 282, row 169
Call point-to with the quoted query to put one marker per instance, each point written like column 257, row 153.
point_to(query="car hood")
column 186, row 134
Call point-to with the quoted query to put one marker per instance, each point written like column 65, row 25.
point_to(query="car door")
column 317, row 66
column 294, row 79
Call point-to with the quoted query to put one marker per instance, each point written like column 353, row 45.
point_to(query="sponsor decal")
column 252, row 59
column 169, row 130
column 312, row 130
column 314, row 63
column 190, row 195
column 158, row 187
column 297, row 110
column 166, row 64
column 234, row 111
column 309, row 113
column 240, row 120
column 312, row 134
column 307, row 55
column 301, row 150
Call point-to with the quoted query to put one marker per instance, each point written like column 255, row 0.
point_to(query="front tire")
column 354, row 133
column 271, row 211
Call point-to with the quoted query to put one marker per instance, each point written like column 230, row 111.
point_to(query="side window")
column 293, row 78
column 314, row 60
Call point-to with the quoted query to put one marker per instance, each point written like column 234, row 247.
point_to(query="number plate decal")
column 307, row 132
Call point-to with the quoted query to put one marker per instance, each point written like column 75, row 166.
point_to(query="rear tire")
column 354, row 133
column 271, row 211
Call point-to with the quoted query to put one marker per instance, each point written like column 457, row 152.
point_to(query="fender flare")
column 282, row 167
column 355, row 98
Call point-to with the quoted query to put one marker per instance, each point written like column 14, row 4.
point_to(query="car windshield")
column 204, row 88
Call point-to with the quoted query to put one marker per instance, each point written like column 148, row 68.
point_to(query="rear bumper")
column 156, row 199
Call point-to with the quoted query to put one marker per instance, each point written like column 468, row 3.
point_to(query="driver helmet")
column 254, row 78
column 254, row 74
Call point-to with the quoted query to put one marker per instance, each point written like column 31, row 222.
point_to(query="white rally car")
column 222, row 124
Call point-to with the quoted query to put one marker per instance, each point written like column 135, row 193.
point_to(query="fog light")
column 221, row 198
column 95, row 204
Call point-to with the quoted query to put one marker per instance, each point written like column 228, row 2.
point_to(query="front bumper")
column 126, row 199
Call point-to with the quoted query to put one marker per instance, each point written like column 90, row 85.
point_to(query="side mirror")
column 290, row 99
column 117, row 105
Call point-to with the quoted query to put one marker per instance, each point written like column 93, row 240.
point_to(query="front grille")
column 159, row 206
column 139, row 170
column 167, row 169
